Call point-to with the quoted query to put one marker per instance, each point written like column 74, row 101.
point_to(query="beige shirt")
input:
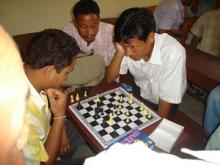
column 207, row 27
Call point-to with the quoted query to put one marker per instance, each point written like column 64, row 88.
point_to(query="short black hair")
column 85, row 7
column 134, row 23
column 51, row 47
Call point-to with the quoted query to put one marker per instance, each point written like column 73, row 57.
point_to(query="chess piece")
column 97, row 98
column 130, row 101
column 120, row 99
column 127, row 119
column 110, row 120
column 77, row 97
column 85, row 94
column 118, row 111
column 96, row 113
column 79, row 106
column 71, row 99
column 127, row 113
column 142, row 106
column 119, row 106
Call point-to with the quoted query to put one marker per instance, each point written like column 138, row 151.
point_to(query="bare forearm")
column 52, row 144
column 112, row 71
column 195, row 41
column 164, row 108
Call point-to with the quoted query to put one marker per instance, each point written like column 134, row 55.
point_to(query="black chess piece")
column 96, row 113
column 79, row 106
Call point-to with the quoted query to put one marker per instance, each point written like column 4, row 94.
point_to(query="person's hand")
column 64, row 146
column 120, row 50
column 57, row 101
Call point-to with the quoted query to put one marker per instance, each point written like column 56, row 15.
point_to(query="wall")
column 26, row 16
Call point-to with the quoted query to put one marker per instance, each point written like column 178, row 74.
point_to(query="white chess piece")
column 71, row 99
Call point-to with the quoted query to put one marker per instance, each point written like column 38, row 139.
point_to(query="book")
column 136, row 136
column 166, row 134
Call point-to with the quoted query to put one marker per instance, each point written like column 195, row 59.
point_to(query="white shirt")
column 103, row 44
column 139, row 153
column 169, row 14
column 163, row 76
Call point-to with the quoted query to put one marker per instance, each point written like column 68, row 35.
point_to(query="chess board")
column 97, row 123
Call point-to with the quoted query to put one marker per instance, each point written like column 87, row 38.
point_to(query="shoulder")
column 69, row 27
column 167, row 5
column 170, row 47
column 106, row 27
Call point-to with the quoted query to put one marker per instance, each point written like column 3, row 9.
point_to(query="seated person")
column 93, row 37
column 199, row 7
column 51, row 57
column 169, row 16
column 13, row 97
column 206, row 33
column 212, row 113
column 156, row 61
column 214, row 140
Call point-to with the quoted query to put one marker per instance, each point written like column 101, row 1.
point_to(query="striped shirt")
column 103, row 44
column 39, row 125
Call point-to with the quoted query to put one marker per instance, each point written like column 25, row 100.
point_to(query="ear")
column 48, row 71
column 151, row 38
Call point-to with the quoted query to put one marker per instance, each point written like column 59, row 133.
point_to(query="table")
column 192, row 136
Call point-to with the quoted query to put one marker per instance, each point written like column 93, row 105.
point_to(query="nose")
column 128, row 52
column 90, row 32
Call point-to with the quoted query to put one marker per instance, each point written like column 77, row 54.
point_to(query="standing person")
column 13, row 96
column 169, row 16
column 94, row 38
column 206, row 33
column 156, row 61
column 51, row 57
column 199, row 7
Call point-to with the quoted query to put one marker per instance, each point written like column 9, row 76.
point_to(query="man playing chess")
column 156, row 61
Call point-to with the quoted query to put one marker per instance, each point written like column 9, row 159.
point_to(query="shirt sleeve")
column 34, row 151
column 198, row 27
column 173, row 82
column 169, row 17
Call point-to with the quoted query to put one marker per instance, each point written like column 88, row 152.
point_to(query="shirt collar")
column 156, row 54
column 38, row 97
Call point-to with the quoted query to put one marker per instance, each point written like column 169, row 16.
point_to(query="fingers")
column 119, row 48
column 57, row 101
column 64, row 149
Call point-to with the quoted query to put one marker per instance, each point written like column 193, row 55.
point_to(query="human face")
column 87, row 26
column 57, row 79
column 137, row 49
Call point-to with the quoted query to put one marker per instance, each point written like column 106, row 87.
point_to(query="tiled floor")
column 192, row 108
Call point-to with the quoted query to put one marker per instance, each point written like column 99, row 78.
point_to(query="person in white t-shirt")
column 156, row 61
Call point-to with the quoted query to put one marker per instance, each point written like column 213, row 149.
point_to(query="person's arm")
column 64, row 147
column 180, row 34
column 112, row 71
column 164, row 108
column 57, row 101
column 195, row 41
column 172, row 32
